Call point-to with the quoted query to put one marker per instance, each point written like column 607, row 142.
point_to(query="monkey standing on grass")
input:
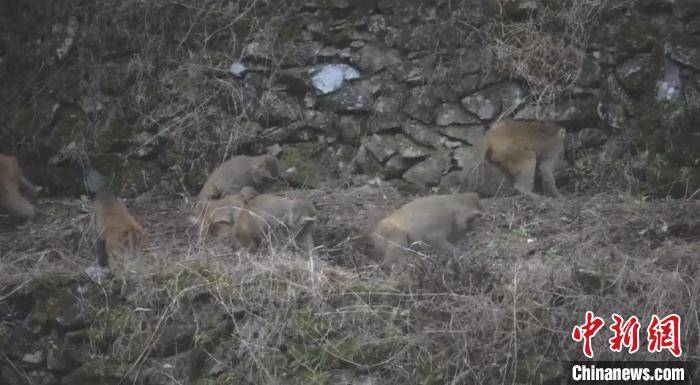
column 117, row 230
column 437, row 220
column 519, row 147
column 278, row 219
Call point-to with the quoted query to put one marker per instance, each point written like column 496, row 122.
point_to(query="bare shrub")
column 546, row 49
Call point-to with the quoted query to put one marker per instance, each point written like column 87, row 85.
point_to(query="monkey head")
column 265, row 168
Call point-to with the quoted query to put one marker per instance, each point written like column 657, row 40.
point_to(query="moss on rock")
column 300, row 163
column 129, row 177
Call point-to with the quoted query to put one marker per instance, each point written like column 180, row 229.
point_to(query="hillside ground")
column 502, row 307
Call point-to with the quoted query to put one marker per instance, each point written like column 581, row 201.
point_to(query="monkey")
column 14, row 190
column 118, row 231
column 240, row 171
column 278, row 218
column 221, row 213
column 436, row 220
column 518, row 147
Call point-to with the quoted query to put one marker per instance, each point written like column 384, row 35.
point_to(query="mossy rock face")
column 69, row 123
column 685, row 149
column 670, row 180
column 656, row 119
column 129, row 177
column 67, row 181
column 115, row 133
column 299, row 160
column 638, row 34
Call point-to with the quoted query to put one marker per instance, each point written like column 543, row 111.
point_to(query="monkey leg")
column 547, row 172
column 305, row 239
column 390, row 244
column 523, row 164
column 443, row 247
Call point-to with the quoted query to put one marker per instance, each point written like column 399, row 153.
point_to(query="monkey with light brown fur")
column 240, row 171
column 118, row 232
column 437, row 221
column 221, row 213
column 519, row 147
column 275, row 218
column 14, row 189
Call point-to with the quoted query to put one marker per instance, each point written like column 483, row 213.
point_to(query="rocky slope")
column 157, row 93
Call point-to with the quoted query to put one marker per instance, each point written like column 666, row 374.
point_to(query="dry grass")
column 546, row 48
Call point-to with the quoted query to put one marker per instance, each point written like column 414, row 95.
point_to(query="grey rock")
column 685, row 50
column 395, row 167
column 374, row 58
column 409, row 149
column 364, row 162
column 380, row 146
column 279, row 108
column 259, row 51
column 575, row 113
column 41, row 377
column 469, row 134
column 587, row 137
column 238, row 69
column 635, row 73
column 351, row 128
column 495, row 100
column 329, row 53
column 385, row 122
column 331, row 77
column 615, row 110
column 472, row 60
column 669, row 88
column 389, row 104
column 417, row 71
column 320, row 120
column 422, row 102
column 614, row 149
column 451, row 113
column 35, row 358
column 422, row 133
column 520, row 8
column 430, row 171
column 94, row 181
column 296, row 80
column 357, row 97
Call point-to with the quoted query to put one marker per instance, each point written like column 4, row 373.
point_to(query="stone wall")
column 155, row 95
